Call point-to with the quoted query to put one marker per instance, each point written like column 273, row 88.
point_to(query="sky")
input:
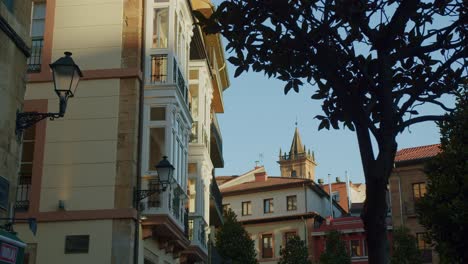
column 259, row 119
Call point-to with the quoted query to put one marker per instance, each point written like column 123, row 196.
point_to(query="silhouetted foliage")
column 335, row 251
column 443, row 211
column 372, row 63
column 233, row 242
column 294, row 252
column 405, row 249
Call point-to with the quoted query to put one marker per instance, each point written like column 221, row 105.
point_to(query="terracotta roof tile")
column 417, row 153
column 270, row 182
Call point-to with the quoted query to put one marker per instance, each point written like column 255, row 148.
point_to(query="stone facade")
column 406, row 183
column 14, row 43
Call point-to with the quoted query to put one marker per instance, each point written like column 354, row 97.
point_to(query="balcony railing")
column 34, row 61
column 22, row 194
column 216, row 194
column 159, row 68
column 179, row 80
column 216, row 149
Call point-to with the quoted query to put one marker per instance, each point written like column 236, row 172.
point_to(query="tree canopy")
column 372, row 63
column 294, row 252
column 335, row 251
column 443, row 211
column 405, row 250
column 233, row 242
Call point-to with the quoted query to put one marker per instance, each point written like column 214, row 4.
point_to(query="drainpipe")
column 305, row 222
column 136, row 247
column 399, row 193
column 330, row 195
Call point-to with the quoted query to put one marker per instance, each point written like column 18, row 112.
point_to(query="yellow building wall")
column 277, row 229
column 81, row 148
column 51, row 236
column 92, row 30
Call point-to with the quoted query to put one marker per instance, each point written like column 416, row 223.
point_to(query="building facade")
column 82, row 176
column 275, row 208
column 407, row 184
column 272, row 209
column 352, row 234
column 15, row 44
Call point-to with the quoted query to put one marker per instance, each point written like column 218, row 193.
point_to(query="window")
column 268, row 206
column 226, row 207
column 37, row 36
column 156, row 146
column 158, row 114
column 160, row 28
column 76, row 244
column 419, row 190
column 291, row 202
column 336, row 196
column 422, row 243
column 159, row 68
column 289, row 235
column 424, row 246
column 293, row 174
column 246, row 208
column 267, row 246
column 25, row 174
column 355, row 248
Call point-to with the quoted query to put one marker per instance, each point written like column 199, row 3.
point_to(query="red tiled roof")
column 222, row 179
column 270, row 182
column 417, row 153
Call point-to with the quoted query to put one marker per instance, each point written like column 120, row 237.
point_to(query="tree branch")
column 419, row 119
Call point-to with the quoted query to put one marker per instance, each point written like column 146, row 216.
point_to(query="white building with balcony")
column 182, row 95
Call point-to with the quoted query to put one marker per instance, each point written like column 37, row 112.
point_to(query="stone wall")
column 13, row 55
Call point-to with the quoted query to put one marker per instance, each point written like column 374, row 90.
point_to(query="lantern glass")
column 165, row 170
column 66, row 76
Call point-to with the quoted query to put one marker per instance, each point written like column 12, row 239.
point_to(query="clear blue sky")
column 259, row 120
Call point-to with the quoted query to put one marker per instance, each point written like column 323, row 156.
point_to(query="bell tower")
column 299, row 162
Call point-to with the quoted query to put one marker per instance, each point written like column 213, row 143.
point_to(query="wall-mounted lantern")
column 66, row 76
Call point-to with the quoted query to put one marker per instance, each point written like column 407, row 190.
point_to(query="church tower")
column 299, row 162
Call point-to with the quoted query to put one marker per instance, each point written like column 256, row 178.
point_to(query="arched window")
column 293, row 174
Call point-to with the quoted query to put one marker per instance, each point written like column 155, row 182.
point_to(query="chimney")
column 261, row 176
column 338, row 180
column 320, row 181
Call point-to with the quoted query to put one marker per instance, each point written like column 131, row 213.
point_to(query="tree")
column 295, row 252
column 335, row 250
column 443, row 211
column 373, row 64
column 233, row 242
column 405, row 250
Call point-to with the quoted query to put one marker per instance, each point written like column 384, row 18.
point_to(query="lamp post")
column 165, row 170
column 66, row 76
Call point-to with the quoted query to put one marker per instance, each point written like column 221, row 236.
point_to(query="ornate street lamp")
column 165, row 171
column 66, row 76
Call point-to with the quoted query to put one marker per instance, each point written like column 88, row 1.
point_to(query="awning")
column 11, row 248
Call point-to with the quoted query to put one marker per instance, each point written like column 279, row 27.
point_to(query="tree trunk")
column 374, row 216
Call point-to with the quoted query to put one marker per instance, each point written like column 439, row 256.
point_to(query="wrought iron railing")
column 186, row 223
column 22, row 194
column 34, row 61
column 216, row 193
column 179, row 80
column 216, row 132
column 159, row 68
